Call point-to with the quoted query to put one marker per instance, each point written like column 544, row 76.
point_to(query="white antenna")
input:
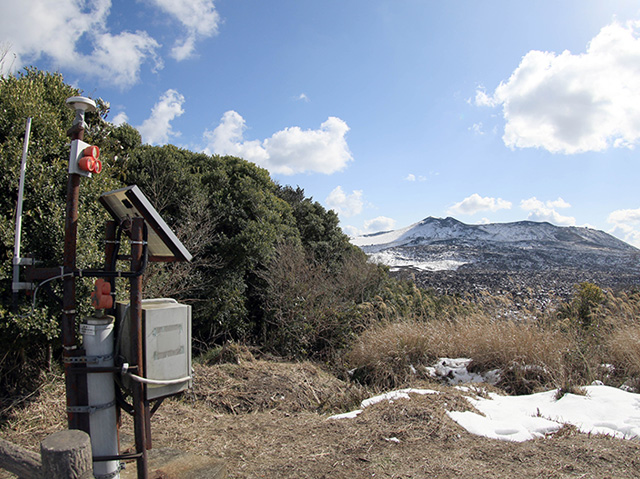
column 81, row 104
column 17, row 260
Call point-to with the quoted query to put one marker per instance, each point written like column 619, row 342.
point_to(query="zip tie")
column 69, row 311
column 138, row 242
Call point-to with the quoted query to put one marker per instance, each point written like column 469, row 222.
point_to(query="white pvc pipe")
column 97, row 338
column 16, row 243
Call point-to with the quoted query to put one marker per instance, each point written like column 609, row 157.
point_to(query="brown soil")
column 267, row 419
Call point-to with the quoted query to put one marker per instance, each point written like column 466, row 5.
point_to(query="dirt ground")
column 270, row 420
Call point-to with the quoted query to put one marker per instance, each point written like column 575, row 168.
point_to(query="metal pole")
column 140, row 406
column 75, row 383
column 109, row 251
column 17, row 240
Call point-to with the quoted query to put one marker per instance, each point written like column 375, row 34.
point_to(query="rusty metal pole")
column 109, row 251
column 75, row 383
column 136, row 334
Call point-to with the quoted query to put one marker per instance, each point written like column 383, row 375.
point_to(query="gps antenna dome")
column 80, row 104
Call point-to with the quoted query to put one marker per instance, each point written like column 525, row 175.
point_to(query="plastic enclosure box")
column 166, row 344
column 77, row 147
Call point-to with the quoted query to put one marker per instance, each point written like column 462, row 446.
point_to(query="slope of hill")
column 454, row 257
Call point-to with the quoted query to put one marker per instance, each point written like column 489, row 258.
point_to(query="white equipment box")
column 166, row 344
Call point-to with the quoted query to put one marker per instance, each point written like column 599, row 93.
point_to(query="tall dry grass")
column 384, row 354
column 533, row 349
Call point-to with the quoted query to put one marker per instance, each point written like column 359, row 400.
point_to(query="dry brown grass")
column 407, row 438
column 624, row 349
column 386, row 353
column 255, row 386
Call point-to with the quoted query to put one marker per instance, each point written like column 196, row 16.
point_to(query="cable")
column 158, row 382
column 35, row 291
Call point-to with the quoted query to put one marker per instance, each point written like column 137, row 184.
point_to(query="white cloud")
column 545, row 211
column 477, row 128
column 625, row 224
column 482, row 99
column 343, row 204
column 570, row 103
column 559, row 203
column 624, row 216
column 120, row 119
column 411, row 177
column 287, row 151
column 476, row 203
column 55, row 28
column 157, row 128
column 118, row 58
column 381, row 223
column 351, row 230
column 200, row 19
column 303, row 97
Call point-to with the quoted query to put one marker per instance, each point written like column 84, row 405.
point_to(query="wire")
column 35, row 291
column 158, row 382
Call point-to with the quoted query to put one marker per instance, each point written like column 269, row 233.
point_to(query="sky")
column 386, row 111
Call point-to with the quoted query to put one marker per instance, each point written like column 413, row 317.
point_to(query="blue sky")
column 387, row 111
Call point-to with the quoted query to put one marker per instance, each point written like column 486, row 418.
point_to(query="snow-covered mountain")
column 447, row 244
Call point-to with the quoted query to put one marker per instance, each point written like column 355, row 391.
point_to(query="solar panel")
column 130, row 202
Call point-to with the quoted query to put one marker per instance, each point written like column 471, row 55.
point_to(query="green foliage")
column 41, row 96
column 319, row 231
column 580, row 312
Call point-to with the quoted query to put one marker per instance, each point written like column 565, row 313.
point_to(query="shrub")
column 312, row 311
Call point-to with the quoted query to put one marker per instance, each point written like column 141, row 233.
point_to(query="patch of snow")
column 390, row 396
column 395, row 395
column 455, row 372
column 346, row 415
column 604, row 410
column 395, row 260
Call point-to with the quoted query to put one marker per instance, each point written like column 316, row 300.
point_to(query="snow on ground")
column 395, row 260
column 601, row 410
column 455, row 372
column 391, row 397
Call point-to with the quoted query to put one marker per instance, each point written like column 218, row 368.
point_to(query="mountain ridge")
column 434, row 244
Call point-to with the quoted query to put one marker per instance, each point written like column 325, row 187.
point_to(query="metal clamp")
column 87, row 359
column 90, row 409
column 110, row 475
